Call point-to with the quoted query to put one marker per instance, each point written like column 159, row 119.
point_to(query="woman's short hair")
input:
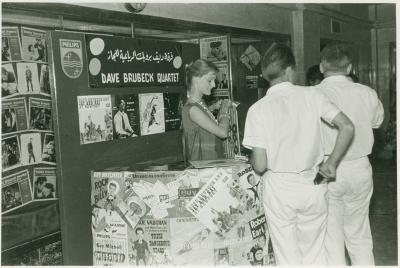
column 336, row 57
column 199, row 68
column 276, row 59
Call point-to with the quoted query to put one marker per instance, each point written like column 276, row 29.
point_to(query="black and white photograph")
column 16, row 191
column 44, row 183
column 11, row 45
column 95, row 118
column 14, row 115
column 214, row 49
column 33, row 44
column 44, row 79
column 173, row 103
column 49, row 149
column 40, row 114
column 8, row 80
column 125, row 116
column 151, row 108
column 240, row 133
column 28, row 78
column 10, row 153
column 31, row 148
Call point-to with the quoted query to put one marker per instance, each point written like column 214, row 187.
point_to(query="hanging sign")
column 126, row 62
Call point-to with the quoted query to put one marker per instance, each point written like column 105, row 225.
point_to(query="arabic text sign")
column 125, row 62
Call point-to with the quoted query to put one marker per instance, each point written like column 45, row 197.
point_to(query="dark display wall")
column 70, row 71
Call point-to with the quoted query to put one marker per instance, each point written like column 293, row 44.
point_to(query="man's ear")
column 321, row 68
column 348, row 70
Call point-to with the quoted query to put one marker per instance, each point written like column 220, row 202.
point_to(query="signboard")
column 126, row 62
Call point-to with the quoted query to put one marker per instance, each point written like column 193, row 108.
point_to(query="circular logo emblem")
column 72, row 64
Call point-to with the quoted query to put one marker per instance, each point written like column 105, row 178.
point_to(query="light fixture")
column 135, row 7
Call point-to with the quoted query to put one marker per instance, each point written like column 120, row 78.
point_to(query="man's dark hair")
column 336, row 57
column 276, row 59
column 49, row 186
column 314, row 75
column 139, row 229
column 41, row 180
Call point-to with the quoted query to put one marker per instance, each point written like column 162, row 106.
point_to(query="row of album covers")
column 112, row 117
column 21, row 114
column 27, row 149
column 210, row 216
column 17, row 189
column 24, row 68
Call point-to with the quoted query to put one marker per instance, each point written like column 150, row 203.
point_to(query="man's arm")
column 377, row 112
column 259, row 160
column 127, row 124
column 118, row 125
column 343, row 140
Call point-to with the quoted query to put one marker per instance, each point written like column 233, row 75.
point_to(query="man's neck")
column 279, row 80
column 328, row 74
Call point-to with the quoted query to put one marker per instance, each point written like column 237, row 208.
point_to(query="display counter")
column 180, row 215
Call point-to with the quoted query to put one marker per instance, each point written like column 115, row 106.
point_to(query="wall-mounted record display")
column 127, row 62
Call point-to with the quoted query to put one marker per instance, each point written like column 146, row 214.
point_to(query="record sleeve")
column 95, row 118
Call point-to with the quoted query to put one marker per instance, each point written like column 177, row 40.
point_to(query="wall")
column 383, row 36
column 253, row 16
column 312, row 22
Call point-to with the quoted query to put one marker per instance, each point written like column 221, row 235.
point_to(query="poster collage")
column 112, row 117
column 28, row 149
column 208, row 216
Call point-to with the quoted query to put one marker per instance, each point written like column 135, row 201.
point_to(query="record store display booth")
column 93, row 171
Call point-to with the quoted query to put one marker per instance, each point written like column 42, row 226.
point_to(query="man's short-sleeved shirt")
column 287, row 124
column 361, row 104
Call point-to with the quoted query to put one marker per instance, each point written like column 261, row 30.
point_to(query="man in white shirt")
column 122, row 126
column 284, row 131
column 349, row 196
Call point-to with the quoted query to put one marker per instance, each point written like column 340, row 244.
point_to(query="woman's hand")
column 225, row 107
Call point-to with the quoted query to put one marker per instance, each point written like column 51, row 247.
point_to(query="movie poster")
column 219, row 217
column 150, row 242
column 33, row 44
column 8, row 80
column 31, row 148
column 214, row 49
column 151, row 106
column 15, row 191
column 156, row 190
column 44, row 183
column 126, row 117
column 191, row 240
column 252, row 183
column 165, row 230
column 28, row 78
column 116, row 210
column 222, row 81
column 10, row 153
column 11, row 45
column 49, row 149
column 13, row 115
column 95, row 118
column 173, row 104
column 40, row 114
column 44, row 79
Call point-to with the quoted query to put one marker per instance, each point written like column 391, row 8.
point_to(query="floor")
column 383, row 212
